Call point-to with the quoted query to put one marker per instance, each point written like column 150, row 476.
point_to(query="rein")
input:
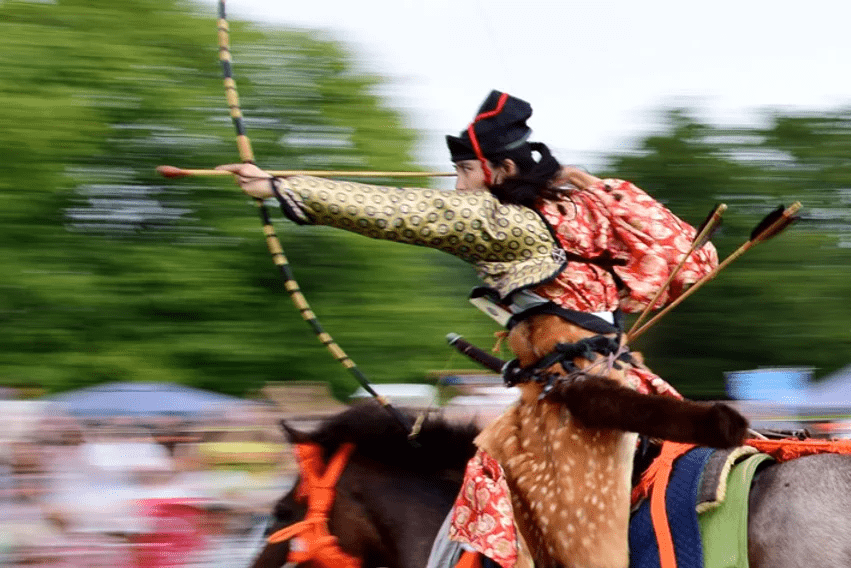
column 312, row 541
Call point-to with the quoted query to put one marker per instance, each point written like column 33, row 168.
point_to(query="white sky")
column 595, row 71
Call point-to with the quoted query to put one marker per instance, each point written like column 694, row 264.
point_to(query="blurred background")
column 113, row 276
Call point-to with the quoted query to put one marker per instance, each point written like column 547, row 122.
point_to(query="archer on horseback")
column 583, row 257
column 562, row 253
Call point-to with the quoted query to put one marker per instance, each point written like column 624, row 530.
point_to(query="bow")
column 246, row 154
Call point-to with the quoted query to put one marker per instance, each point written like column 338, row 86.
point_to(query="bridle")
column 310, row 538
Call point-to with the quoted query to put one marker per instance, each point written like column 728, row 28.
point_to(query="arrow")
column 704, row 233
column 175, row 172
column 772, row 225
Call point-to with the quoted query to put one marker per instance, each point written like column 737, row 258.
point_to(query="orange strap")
column 654, row 482
column 318, row 545
column 469, row 559
column 791, row 448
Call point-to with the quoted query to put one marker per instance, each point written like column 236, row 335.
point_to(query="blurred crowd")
column 127, row 491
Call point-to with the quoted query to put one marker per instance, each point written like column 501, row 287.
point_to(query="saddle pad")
column 725, row 527
column 713, row 483
column 680, row 499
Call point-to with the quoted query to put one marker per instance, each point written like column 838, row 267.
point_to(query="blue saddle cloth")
column 680, row 500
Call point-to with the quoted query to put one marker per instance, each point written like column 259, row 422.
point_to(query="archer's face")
column 471, row 175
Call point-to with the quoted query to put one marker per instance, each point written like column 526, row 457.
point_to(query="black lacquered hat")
column 499, row 126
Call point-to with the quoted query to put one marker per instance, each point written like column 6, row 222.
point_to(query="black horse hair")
column 439, row 444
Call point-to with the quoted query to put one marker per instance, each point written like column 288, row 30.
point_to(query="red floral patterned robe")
column 612, row 219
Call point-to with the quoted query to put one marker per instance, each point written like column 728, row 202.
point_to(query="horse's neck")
column 570, row 485
column 387, row 530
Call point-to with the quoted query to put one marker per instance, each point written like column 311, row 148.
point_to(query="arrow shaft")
column 171, row 171
column 694, row 288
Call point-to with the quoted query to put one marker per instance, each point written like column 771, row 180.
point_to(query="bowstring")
column 246, row 154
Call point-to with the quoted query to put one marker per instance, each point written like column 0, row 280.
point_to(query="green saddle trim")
column 724, row 529
column 713, row 483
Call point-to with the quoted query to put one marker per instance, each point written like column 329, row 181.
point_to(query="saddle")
column 696, row 513
column 692, row 508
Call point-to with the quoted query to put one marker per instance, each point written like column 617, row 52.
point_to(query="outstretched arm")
column 474, row 226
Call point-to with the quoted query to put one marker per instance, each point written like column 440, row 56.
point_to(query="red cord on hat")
column 471, row 132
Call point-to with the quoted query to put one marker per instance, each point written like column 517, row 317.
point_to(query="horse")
column 394, row 495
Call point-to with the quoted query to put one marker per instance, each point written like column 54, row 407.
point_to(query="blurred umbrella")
column 144, row 399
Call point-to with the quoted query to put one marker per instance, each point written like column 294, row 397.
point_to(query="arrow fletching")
column 775, row 222
column 787, row 218
column 771, row 226
column 769, row 220
column 709, row 226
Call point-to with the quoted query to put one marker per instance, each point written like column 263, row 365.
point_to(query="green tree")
column 111, row 273
column 782, row 303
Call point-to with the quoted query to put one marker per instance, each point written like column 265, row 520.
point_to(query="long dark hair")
column 534, row 179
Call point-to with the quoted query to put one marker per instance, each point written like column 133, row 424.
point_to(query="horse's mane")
column 439, row 445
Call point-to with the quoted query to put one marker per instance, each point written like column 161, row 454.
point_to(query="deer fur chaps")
column 568, row 457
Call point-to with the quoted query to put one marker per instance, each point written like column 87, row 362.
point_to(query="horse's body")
column 799, row 514
column 393, row 498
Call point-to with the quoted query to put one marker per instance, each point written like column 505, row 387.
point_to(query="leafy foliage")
column 114, row 274
column 781, row 304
